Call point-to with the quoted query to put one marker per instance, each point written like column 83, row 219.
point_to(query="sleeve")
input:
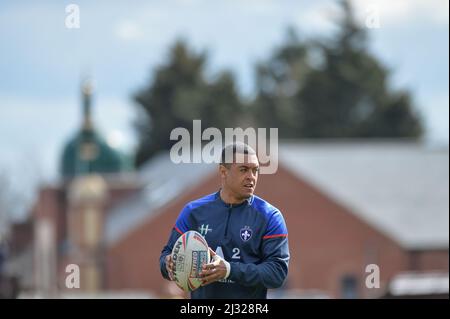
column 181, row 226
column 273, row 269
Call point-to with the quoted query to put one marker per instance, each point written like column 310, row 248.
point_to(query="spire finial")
column 87, row 89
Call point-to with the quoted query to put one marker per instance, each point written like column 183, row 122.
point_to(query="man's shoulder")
column 264, row 207
column 205, row 200
column 276, row 226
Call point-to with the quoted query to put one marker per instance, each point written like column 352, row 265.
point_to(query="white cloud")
column 114, row 116
column 319, row 18
column 128, row 30
column 436, row 113
column 404, row 11
column 115, row 139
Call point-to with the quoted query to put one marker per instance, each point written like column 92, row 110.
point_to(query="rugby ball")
column 189, row 254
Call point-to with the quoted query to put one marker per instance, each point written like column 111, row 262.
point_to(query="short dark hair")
column 232, row 149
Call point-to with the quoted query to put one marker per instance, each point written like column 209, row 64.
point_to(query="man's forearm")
column 269, row 274
column 162, row 265
column 167, row 250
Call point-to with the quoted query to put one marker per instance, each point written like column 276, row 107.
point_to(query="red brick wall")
column 326, row 240
column 429, row 260
column 21, row 237
column 116, row 194
column 52, row 204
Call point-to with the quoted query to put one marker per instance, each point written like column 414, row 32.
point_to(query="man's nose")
column 251, row 175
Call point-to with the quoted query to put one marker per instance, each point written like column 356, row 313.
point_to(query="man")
column 249, row 235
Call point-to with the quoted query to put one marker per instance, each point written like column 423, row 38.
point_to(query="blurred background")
column 90, row 92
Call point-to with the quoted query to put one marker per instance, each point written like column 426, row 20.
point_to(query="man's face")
column 240, row 178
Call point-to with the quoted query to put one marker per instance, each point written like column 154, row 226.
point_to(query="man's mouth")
column 249, row 186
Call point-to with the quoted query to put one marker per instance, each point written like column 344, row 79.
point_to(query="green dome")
column 89, row 153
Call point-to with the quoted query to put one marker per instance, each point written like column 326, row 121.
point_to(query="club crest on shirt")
column 246, row 233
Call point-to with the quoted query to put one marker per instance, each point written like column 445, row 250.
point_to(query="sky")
column 120, row 43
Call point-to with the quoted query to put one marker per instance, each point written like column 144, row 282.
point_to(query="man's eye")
column 243, row 170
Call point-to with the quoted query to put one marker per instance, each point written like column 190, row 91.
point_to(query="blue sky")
column 120, row 43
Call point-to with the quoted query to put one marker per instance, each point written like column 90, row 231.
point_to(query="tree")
column 278, row 80
column 179, row 94
column 349, row 96
column 332, row 88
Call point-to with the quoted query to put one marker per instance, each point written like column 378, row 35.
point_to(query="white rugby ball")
column 189, row 254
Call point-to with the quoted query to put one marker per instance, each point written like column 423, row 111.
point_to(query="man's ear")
column 222, row 171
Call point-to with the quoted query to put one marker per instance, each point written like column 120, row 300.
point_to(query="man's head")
column 238, row 169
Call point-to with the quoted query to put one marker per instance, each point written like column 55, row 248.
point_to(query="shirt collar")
column 248, row 201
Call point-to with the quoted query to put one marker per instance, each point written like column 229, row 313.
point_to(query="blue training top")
column 251, row 236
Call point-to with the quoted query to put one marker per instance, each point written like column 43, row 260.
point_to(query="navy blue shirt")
column 251, row 236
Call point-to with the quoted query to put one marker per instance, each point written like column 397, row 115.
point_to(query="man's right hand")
column 169, row 266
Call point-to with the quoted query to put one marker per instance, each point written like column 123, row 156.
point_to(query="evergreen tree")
column 350, row 96
column 179, row 94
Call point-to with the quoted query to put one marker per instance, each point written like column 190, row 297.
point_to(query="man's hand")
column 169, row 266
column 214, row 271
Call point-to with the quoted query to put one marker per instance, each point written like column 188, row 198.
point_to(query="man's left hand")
column 214, row 271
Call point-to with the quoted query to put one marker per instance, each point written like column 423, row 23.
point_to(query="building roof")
column 401, row 188
column 163, row 181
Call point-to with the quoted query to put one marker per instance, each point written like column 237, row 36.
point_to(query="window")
column 349, row 287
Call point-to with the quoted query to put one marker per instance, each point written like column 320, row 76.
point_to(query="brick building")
column 347, row 205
